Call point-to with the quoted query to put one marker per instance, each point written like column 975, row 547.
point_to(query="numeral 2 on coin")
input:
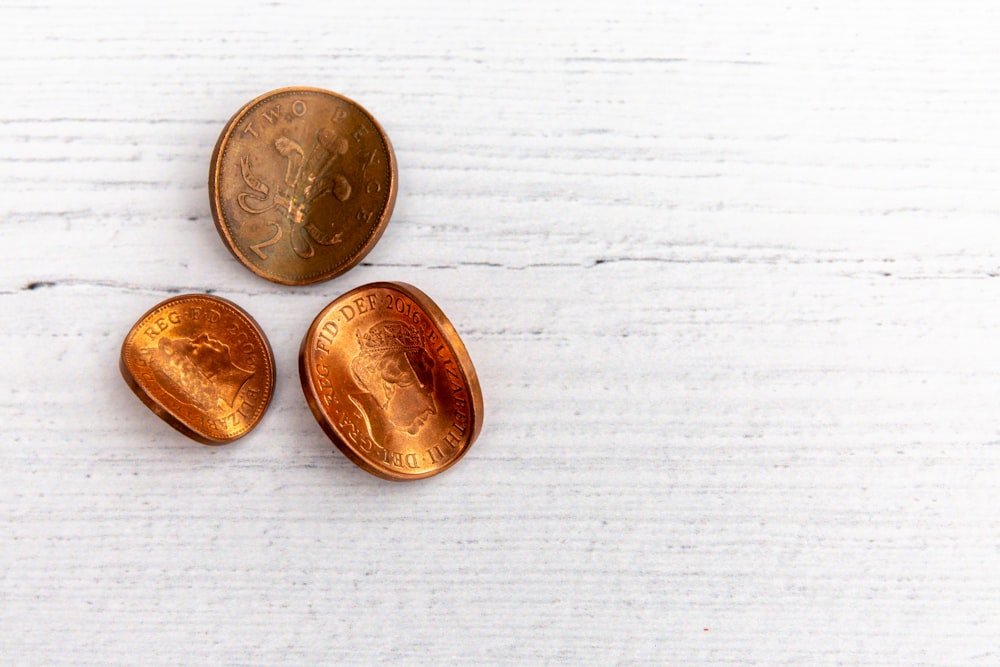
column 258, row 247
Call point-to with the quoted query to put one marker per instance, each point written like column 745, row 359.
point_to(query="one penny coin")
column 390, row 382
column 202, row 364
column 302, row 184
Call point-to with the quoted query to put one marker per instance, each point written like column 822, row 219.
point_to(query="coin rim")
column 454, row 342
column 222, row 226
column 165, row 413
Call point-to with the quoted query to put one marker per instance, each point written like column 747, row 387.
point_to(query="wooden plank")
column 727, row 273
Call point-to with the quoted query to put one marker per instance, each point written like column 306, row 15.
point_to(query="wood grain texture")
column 727, row 272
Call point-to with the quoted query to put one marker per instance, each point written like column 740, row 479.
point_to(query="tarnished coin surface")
column 390, row 382
column 202, row 364
column 302, row 184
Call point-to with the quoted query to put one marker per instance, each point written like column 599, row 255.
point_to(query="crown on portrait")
column 390, row 336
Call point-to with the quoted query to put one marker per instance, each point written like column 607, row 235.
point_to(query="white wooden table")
column 728, row 272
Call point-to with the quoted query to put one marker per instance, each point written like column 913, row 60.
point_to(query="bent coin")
column 302, row 184
column 390, row 382
column 202, row 364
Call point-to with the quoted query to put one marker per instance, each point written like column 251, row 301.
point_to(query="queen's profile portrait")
column 395, row 377
column 198, row 371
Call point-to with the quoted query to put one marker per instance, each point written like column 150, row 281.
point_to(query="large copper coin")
column 202, row 364
column 302, row 185
column 390, row 382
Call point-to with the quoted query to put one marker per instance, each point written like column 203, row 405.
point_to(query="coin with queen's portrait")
column 390, row 382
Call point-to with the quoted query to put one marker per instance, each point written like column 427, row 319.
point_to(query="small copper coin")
column 390, row 382
column 302, row 185
column 202, row 364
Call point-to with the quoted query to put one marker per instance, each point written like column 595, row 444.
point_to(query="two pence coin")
column 302, row 184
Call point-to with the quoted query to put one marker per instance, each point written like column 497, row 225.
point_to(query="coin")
column 202, row 364
column 302, row 184
column 390, row 382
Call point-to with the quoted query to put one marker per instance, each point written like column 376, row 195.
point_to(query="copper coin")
column 390, row 382
column 302, row 184
column 202, row 364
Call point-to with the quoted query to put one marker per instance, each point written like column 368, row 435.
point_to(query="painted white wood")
column 728, row 272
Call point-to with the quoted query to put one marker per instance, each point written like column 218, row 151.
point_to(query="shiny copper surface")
column 302, row 184
column 390, row 382
column 202, row 364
